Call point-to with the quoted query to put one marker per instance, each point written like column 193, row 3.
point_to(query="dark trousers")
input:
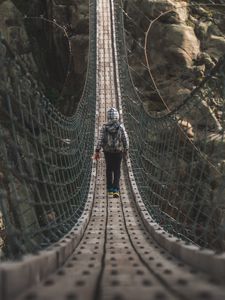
column 113, row 162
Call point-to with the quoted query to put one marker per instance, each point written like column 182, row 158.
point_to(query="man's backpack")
column 113, row 140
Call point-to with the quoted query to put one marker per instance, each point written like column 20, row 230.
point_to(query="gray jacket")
column 112, row 127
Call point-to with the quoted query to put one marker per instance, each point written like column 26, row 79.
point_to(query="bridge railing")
column 45, row 157
column 177, row 156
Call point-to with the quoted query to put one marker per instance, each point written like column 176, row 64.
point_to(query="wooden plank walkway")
column 116, row 258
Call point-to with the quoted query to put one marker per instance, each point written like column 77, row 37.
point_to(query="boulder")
column 201, row 30
column 205, row 60
column 215, row 46
column 183, row 45
column 177, row 11
column 176, row 45
column 172, row 51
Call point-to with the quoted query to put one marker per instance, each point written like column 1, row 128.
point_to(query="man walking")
column 114, row 141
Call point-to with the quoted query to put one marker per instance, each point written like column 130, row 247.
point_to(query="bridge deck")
column 117, row 258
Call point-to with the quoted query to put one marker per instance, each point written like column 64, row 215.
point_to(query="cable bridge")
column 62, row 236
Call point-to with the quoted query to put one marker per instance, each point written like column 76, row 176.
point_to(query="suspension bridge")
column 62, row 236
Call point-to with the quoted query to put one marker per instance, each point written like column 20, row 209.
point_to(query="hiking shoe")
column 116, row 193
column 110, row 191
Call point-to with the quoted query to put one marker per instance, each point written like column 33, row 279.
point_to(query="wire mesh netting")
column 178, row 155
column 45, row 157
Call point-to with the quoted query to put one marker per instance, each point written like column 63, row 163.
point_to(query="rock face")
column 183, row 44
column 52, row 37
column 178, row 43
column 43, row 53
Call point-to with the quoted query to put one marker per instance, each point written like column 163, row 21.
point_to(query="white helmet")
column 112, row 114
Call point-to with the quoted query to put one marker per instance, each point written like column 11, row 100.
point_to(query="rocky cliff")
column 51, row 37
column 183, row 41
column 43, row 53
column 183, row 44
